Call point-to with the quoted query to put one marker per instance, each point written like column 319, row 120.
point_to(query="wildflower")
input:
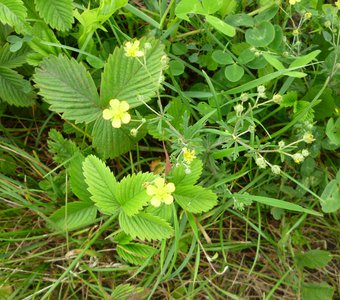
column 261, row 162
column 160, row 192
column 308, row 138
column 281, row 144
column 261, row 91
column 327, row 24
column 132, row 49
column 296, row 32
column 117, row 113
column 276, row 169
column 188, row 155
column 244, row 97
column 134, row 132
column 292, row 2
column 298, row 157
column 305, row 152
column 238, row 108
column 308, row 15
column 277, row 98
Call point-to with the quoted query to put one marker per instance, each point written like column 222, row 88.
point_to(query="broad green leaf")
column 131, row 78
column 261, row 35
column 211, row 7
column 101, row 184
column 112, row 142
column 145, row 226
column 12, row 60
column 234, row 72
column 58, row 14
column 77, row 178
column 131, row 192
column 134, row 253
column 195, row 199
column 304, row 60
column 273, row 61
column 14, row 89
column 221, row 26
column 13, row 13
column 69, row 88
column 317, row 291
column 267, row 14
column 222, row 57
column 241, row 19
column 331, row 197
column 73, row 215
column 276, row 203
column 62, row 149
column 333, row 131
column 176, row 67
column 179, row 177
column 313, row 259
column 186, row 7
column 164, row 211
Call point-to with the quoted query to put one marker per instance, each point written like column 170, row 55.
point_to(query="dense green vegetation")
column 183, row 149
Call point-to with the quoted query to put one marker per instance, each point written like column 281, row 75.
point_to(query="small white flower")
column 308, row 138
column 134, row 132
column 244, row 97
column 261, row 162
column 281, row 144
column 277, row 98
column 276, row 169
column 238, row 108
column 298, row 157
column 305, row 152
column 261, row 89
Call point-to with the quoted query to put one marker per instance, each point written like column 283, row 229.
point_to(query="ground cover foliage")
column 179, row 149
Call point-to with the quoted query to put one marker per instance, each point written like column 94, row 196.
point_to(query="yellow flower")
column 132, row 49
column 292, row 2
column 188, row 155
column 337, row 4
column 160, row 192
column 298, row 157
column 308, row 138
column 117, row 113
column 308, row 15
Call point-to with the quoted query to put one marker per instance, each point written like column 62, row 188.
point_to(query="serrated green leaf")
column 135, row 253
column 58, row 14
column 74, row 215
column 304, row 60
column 179, row 177
column 164, row 211
column 145, row 226
column 69, row 88
column 101, row 184
column 195, row 199
column 126, row 291
column 62, row 149
column 77, row 178
column 111, row 142
column 300, row 106
column 289, row 99
column 13, row 13
column 131, row 192
column 220, row 25
column 14, row 89
column 10, row 59
column 128, row 78
column 313, row 259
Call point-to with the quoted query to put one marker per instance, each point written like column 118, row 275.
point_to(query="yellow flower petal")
column 115, row 104
column 155, row 202
column 159, row 182
column 124, row 106
column 170, row 187
column 116, row 122
column 168, row 199
column 108, row 114
column 125, row 118
column 151, row 190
